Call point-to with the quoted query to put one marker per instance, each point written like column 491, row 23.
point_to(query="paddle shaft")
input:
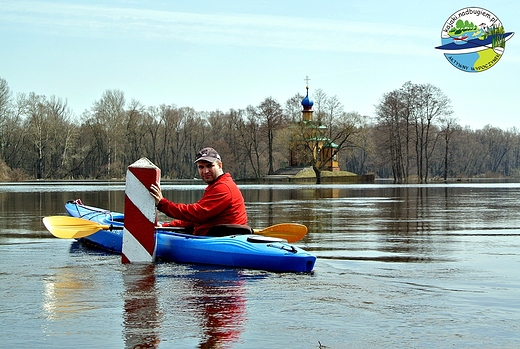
column 270, row 231
column 112, row 227
column 75, row 228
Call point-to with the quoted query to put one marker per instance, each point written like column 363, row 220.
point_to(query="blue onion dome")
column 306, row 102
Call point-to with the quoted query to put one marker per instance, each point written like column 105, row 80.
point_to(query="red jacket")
column 222, row 203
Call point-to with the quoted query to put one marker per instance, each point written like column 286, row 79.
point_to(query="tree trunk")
column 446, row 147
column 317, row 172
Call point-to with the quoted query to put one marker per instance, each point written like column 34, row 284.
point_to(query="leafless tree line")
column 413, row 138
column 419, row 137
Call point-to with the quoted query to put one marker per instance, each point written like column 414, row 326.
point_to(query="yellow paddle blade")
column 291, row 232
column 71, row 228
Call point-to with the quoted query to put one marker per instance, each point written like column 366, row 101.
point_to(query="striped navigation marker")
column 140, row 212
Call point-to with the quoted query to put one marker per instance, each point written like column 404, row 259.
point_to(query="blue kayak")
column 248, row 251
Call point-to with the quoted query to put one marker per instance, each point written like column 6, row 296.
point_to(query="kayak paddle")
column 74, row 228
column 291, row 232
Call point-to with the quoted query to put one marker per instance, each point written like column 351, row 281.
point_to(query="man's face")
column 209, row 171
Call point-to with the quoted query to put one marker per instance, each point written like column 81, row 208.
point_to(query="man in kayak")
column 221, row 204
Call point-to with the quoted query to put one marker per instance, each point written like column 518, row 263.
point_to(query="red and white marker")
column 140, row 212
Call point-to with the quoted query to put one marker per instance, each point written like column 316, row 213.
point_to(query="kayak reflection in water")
column 221, row 204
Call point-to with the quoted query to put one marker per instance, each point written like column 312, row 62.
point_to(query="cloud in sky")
column 233, row 29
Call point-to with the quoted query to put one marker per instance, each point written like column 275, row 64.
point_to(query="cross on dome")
column 307, row 80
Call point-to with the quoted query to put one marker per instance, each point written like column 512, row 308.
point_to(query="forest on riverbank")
column 414, row 136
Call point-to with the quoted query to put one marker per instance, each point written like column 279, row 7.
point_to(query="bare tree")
column 37, row 129
column 135, row 132
column 320, row 105
column 393, row 134
column 173, row 146
column 109, row 114
column 413, row 107
column 63, row 134
column 431, row 104
column 50, row 133
column 293, row 108
column 498, row 143
column 449, row 127
column 5, row 108
column 273, row 119
column 5, row 100
column 153, row 127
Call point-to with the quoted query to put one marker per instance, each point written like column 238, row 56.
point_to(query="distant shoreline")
column 325, row 180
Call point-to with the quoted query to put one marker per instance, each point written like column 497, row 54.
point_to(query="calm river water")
column 399, row 266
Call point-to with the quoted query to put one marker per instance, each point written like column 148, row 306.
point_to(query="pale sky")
column 223, row 54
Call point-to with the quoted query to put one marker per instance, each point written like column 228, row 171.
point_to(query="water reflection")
column 63, row 292
column 218, row 300
column 161, row 299
column 142, row 318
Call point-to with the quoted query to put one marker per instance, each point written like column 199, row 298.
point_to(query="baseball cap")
column 207, row 154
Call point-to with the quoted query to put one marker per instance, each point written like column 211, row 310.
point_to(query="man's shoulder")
column 224, row 181
column 224, row 178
